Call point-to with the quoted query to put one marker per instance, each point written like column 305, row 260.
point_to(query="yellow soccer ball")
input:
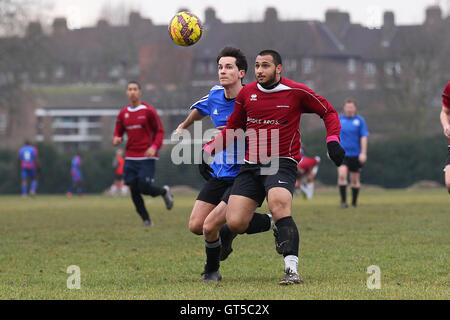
column 185, row 29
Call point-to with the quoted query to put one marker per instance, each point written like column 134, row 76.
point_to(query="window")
column 370, row 69
column 351, row 66
column 307, row 65
column 351, row 85
column 290, row 65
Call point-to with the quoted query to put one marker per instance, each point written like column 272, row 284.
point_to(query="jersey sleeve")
column 157, row 127
column 446, row 96
column 202, row 106
column 120, row 128
column 237, row 120
column 313, row 103
column 363, row 131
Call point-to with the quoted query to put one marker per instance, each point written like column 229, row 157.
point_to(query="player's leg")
column 447, row 177
column 146, row 178
column 213, row 222
column 355, row 185
column 24, row 182
column 342, row 184
column 280, row 188
column 198, row 215
column 34, row 182
column 131, row 178
column 288, row 239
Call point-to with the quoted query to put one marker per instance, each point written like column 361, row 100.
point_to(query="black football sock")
column 259, row 223
column 139, row 202
column 212, row 255
column 288, row 236
column 343, row 192
column 355, row 192
column 151, row 190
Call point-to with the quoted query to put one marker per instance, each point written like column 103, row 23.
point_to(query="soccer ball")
column 185, row 29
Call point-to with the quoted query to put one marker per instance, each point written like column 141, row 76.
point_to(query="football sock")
column 288, row 236
column 33, row 186
column 343, row 192
column 139, row 202
column 259, row 223
column 151, row 190
column 291, row 263
column 212, row 255
column 355, row 192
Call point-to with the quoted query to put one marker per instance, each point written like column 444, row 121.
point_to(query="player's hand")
column 150, row 152
column 447, row 131
column 204, row 168
column 362, row 158
column 117, row 140
column 335, row 152
column 179, row 130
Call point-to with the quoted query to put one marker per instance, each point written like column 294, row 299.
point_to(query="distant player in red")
column 145, row 137
column 306, row 172
column 269, row 112
column 445, row 121
column 118, row 163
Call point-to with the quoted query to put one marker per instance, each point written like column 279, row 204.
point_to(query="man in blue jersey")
column 28, row 156
column 77, row 176
column 353, row 136
column 208, row 214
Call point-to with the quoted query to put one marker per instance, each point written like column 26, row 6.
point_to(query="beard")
column 269, row 82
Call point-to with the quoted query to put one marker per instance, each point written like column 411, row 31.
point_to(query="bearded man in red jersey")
column 269, row 111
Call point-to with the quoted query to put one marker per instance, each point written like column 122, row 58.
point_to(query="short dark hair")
column 275, row 55
column 350, row 100
column 241, row 60
column 134, row 82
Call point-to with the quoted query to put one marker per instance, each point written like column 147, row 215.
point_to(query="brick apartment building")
column 74, row 80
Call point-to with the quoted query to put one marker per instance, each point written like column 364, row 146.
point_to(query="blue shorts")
column 141, row 170
column 28, row 173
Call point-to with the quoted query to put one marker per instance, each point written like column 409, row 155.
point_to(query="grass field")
column 405, row 233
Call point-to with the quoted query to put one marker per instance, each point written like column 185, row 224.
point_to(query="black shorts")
column 118, row 176
column 252, row 184
column 353, row 164
column 447, row 162
column 215, row 190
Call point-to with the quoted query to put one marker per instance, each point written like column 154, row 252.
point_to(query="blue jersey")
column 352, row 130
column 219, row 109
column 28, row 156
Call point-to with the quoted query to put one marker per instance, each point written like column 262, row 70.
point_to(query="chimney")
column 388, row 20
column 34, row 29
column 271, row 15
column 134, row 19
column 433, row 15
column 210, row 16
column 337, row 21
column 102, row 23
column 59, row 25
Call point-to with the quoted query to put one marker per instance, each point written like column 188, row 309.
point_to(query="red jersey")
column 446, row 100
column 144, row 130
column 260, row 111
column 120, row 163
column 308, row 163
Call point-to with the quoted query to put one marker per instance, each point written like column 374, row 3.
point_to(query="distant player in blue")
column 353, row 136
column 208, row 214
column 28, row 156
column 77, row 176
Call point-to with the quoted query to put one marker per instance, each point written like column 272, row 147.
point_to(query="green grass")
column 405, row 233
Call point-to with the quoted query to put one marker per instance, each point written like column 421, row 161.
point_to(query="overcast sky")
column 82, row 13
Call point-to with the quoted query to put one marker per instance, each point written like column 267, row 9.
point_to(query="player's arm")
column 445, row 120
column 118, row 131
column 363, row 155
column 195, row 115
column 313, row 103
column 158, row 130
column 236, row 121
